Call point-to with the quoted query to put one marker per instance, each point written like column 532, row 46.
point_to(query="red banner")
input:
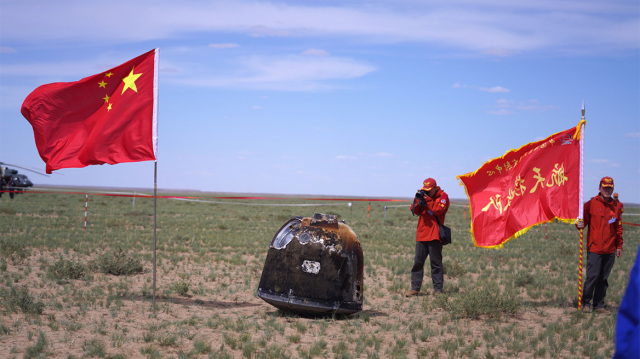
column 106, row 118
column 534, row 184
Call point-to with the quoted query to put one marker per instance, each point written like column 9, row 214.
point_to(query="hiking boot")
column 413, row 293
column 586, row 308
column 601, row 311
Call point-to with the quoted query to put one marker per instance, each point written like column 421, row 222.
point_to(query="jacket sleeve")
column 416, row 209
column 440, row 205
column 619, row 229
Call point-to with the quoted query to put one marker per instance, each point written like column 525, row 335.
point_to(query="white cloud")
column 57, row 70
column 632, row 134
column 495, row 89
column 304, row 68
column 508, row 107
column 383, row 155
column 287, row 73
column 315, row 52
column 223, row 46
column 496, row 28
column 500, row 52
column 503, row 102
column 534, row 106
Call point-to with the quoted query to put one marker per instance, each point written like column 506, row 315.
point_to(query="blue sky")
column 339, row 97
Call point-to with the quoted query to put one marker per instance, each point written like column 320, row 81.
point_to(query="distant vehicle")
column 12, row 181
column 314, row 266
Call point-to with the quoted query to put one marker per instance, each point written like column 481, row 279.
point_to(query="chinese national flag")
column 109, row 118
column 536, row 183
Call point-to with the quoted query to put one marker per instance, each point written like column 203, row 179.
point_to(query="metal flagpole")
column 581, row 206
column 155, row 170
column 155, row 198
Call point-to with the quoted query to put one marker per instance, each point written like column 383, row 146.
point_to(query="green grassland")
column 67, row 292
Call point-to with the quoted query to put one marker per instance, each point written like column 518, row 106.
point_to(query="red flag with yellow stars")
column 109, row 118
column 537, row 183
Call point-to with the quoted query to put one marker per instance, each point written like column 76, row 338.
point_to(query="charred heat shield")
column 314, row 266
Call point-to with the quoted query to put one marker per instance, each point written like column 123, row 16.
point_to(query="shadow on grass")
column 365, row 314
column 195, row 302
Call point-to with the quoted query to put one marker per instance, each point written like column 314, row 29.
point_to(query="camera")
column 421, row 197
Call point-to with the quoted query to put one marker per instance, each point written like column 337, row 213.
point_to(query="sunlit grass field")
column 71, row 292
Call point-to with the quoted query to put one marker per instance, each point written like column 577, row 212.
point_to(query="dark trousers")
column 595, row 286
column 433, row 249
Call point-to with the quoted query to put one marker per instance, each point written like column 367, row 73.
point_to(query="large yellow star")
column 130, row 81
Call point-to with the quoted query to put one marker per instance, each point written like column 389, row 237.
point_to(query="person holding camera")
column 430, row 202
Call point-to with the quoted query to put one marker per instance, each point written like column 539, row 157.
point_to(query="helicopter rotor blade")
column 25, row 168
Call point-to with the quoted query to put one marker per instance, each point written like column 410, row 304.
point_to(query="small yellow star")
column 109, row 107
column 106, row 98
column 108, row 74
column 102, row 84
column 130, row 81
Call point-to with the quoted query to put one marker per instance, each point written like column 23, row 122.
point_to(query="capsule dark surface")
column 314, row 266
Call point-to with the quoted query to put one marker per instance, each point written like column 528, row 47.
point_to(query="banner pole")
column 580, row 275
column 155, row 198
column 580, row 207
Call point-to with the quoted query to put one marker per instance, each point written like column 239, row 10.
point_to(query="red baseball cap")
column 428, row 184
column 606, row 182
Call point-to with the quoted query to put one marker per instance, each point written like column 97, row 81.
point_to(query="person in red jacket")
column 430, row 201
column 604, row 244
column 619, row 204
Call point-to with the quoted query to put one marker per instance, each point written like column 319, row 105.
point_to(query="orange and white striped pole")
column 580, row 276
column 580, row 205
column 86, row 205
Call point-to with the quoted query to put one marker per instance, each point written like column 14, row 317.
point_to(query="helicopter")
column 12, row 181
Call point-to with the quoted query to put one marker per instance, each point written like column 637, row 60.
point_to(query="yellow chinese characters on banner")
column 557, row 178
column 536, row 183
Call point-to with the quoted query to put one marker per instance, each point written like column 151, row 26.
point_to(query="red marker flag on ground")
column 534, row 184
column 109, row 118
